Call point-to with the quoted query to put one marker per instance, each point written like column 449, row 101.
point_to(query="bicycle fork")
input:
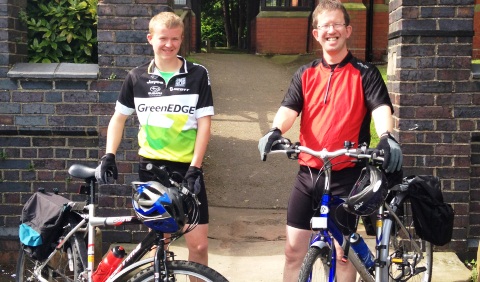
column 382, row 238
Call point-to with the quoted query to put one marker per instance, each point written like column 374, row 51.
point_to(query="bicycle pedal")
column 82, row 277
column 420, row 269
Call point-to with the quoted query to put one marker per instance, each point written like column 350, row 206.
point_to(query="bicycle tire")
column 401, row 246
column 315, row 266
column 59, row 269
column 182, row 269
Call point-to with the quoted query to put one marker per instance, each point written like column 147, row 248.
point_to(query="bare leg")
column 345, row 271
column 197, row 244
column 296, row 247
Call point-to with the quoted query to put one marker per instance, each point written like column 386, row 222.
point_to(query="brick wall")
column 46, row 127
column 357, row 41
column 291, row 32
column 276, row 34
column 49, row 123
column 437, row 101
column 380, row 26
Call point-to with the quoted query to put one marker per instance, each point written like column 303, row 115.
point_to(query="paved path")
column 247, row 92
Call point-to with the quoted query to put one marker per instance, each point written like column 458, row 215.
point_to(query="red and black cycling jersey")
column 335, row 103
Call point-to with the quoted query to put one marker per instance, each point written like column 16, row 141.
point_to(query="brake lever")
column 292, row 152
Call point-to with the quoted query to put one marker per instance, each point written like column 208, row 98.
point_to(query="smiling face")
column 332, row 33
column 166, row 42
column 165, row 35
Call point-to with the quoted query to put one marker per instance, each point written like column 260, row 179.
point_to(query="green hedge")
column 61, row 31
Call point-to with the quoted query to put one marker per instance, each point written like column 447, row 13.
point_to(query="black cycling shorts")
column 307, row 192
column 145, row 175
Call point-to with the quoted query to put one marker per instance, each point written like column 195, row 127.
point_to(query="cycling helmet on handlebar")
column 368, row 193
column 158, row 207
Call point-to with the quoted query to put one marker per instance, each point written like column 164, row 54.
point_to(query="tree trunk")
column 227, row 23
column 241, row 24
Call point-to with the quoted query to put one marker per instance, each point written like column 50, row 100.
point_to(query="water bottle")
column 109, row 263
column 362, row 250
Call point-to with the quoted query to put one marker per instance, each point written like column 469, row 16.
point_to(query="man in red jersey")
column 336, row 97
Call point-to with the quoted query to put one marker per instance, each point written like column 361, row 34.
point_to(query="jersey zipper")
column 328, row 86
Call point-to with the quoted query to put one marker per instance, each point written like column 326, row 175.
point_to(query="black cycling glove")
column 391, row 151
column 268, row 141
column 193, row 179
column 107, row 169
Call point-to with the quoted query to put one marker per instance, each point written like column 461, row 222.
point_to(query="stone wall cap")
column 28, row 70
column 69, row 70
column 54, row 70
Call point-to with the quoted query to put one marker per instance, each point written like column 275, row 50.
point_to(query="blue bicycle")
column 400, row 255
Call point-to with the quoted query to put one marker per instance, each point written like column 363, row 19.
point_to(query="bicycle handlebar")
column 359, row 153
column 163, row 173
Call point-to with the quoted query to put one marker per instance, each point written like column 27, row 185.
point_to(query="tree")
column 212, row 22
column 235, row 17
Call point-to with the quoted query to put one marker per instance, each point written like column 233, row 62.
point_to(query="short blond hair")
column 329, row 5
column 168, row 19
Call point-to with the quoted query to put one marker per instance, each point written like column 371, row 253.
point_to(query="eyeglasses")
column 336, row 26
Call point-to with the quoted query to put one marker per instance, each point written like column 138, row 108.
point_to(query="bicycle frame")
column 92, row 221
column 386, row 215
column 329, row 229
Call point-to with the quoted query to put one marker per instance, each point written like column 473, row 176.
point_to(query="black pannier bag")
column 432, row 217
column 41, row 223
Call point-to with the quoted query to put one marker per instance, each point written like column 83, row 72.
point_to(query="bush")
column 61, row 31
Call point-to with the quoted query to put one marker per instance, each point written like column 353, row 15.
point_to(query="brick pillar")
column 429, row 79
column 13, row 39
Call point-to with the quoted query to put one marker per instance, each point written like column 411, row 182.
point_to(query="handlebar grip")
column 161, row 173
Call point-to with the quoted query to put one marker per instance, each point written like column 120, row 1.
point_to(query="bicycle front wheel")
column 316, row 265
column 406, row 262
column 180, row 270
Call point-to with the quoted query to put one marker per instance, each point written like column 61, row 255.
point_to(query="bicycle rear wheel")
column 65, row 266
column 316, row 266
column 25, row 267
column 182, row 271
column 405, row 261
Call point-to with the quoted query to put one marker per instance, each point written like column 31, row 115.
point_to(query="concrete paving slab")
column 247, row 245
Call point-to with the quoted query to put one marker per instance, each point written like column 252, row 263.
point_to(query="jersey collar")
column 183, row 68
column 344, row 62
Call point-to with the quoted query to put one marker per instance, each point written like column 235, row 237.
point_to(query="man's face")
column 166, row 42
column 331, row 31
